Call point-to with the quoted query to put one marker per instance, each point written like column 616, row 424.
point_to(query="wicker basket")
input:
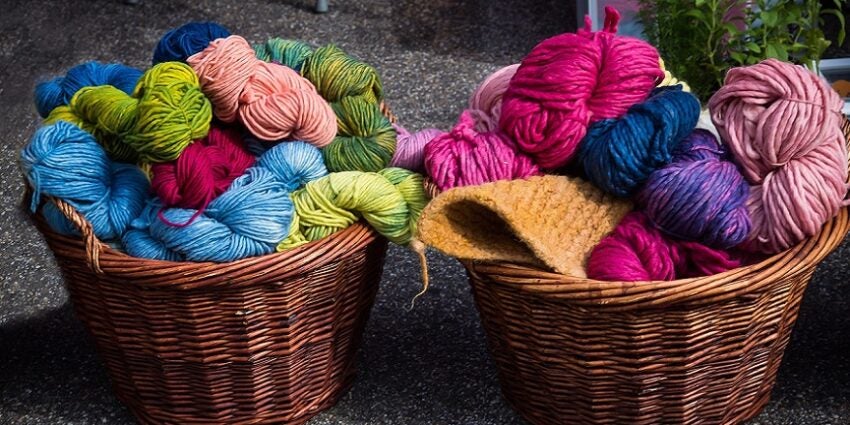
column 269, row 339
column 694, row 351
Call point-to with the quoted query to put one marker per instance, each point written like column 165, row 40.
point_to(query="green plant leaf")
column 769, row 17
column 753, row 47
column 738, row 57
column 697, row 14
column 770, row 51
column 699, row 3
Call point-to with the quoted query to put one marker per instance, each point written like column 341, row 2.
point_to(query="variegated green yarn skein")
column 165, row 113
column 291, row 53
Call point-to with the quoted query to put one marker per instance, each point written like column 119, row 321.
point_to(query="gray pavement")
column 425, row 366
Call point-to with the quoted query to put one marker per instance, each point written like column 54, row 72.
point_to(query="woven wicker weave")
column 695, row 351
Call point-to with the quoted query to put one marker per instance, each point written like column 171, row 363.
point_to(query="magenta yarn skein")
column 410, row 147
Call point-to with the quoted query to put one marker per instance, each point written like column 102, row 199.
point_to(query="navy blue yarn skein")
column 619, row 155
column 184, row 41
column 66, row 162
column 700, row 196
column 60, row 90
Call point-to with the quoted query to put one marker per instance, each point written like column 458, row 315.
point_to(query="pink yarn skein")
column 271, row 100
column 570, row 81
column 410, row 147
column 465, row 157
column 782, row 125
column 636, row 251
column 485, row 104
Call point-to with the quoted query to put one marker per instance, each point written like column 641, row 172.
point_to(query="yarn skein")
column 464, row 157
column 636, row 251
column 410, row 147
column 700, row 196
column 619, row 155
column 59, row 91
column 366, row 140
column 337, row 75
column 291, row 53
column 184, row 41
column 65, row 162
column 272, row 101
column 570, row 81
column 485, row 104
column 782, row 125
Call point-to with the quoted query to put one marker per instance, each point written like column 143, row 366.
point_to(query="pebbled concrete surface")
column 424, row 366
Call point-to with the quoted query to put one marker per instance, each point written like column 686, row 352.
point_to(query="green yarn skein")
column 337, row 75
column 291, row 53
column 390, row 201
column 117, row 150
column 365, row 141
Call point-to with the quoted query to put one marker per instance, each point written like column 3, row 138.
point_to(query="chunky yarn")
column 291, row 53
column 465, row 157
column 65, row 162
column 366, row 140
column 670, row 79
column 180, row 43
column 59, row 91
column 636, row 251
column 700, row 196
column 570, row 81
column 782, row 125
column 410, row 147
column 485, row 104
column 337, row 75
column 294, row 163
column 272, row 101
column 203, row 170
column 618, row 155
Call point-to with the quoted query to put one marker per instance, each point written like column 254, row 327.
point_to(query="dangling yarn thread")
column 59, row 91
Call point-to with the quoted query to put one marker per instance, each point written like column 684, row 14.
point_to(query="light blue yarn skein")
column 66, row 162
column 60, row 90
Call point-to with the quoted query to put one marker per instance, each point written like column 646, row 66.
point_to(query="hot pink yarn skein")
column 271, row 100
column 636, row 251
column 782, row 125
column 569, row 81
column 485, row 104
column 410, row 147
column 465, row 157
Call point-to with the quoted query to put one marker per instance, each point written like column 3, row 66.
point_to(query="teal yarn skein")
column 291, row 53
column 65, row 162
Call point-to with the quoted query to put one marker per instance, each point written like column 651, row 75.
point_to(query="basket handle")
column 93, row 245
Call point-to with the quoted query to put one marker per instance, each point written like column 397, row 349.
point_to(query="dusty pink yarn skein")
column 782, row 125
column 410, row 147
column 272, row 101
column 570, row 81
column 465, row 157
column 485, row 104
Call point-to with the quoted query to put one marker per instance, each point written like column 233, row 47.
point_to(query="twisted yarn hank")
column 291, row 53
column 184, row 41
column 271, row 100
column 464, row 157
column 782, row 125
column 366, row 140
column 485, row 104
column 65, row 162
column 636, row 251
column 337, row 75
column 619, row 155
column 700, row 196
column 58, row 92
column 570, row 81
column 410, row 147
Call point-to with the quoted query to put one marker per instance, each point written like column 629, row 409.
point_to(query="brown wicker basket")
column 263, row 340
column 695, row 351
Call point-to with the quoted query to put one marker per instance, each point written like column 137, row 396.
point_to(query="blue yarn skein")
column 60, row 90
column 66, row 162
column 249, row 219
column 184, row 41
column 619, row 155
column 700, row 196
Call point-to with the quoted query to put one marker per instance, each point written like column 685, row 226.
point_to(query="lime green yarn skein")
column 365, row 141
column 337, row 75
column 117, row 150
column 291, row 53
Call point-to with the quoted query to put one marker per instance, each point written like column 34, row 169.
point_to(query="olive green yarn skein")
column 337, row 75
column 291, row 53
column 365, row 141
column 117, row 150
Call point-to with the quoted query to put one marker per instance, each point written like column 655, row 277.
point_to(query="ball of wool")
column 65, row 162
column 618, row 155
column 294, row 163
column 782, row 125
column 366, row 140
column 465, row 157
column 203, row 170
column 291, row 53
column 636, row 251
column 485, row 104
column 247, row 220
column 58, row 91
column 700, row 196
column 184, row 41
column 410, row 147
column 337, row 75
column 272, row 101
column 568, row 82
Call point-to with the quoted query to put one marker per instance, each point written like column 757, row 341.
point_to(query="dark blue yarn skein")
column 60, row 90
column 700, row 196
column 184, row 41
column 619, row 155
column 66, row 162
